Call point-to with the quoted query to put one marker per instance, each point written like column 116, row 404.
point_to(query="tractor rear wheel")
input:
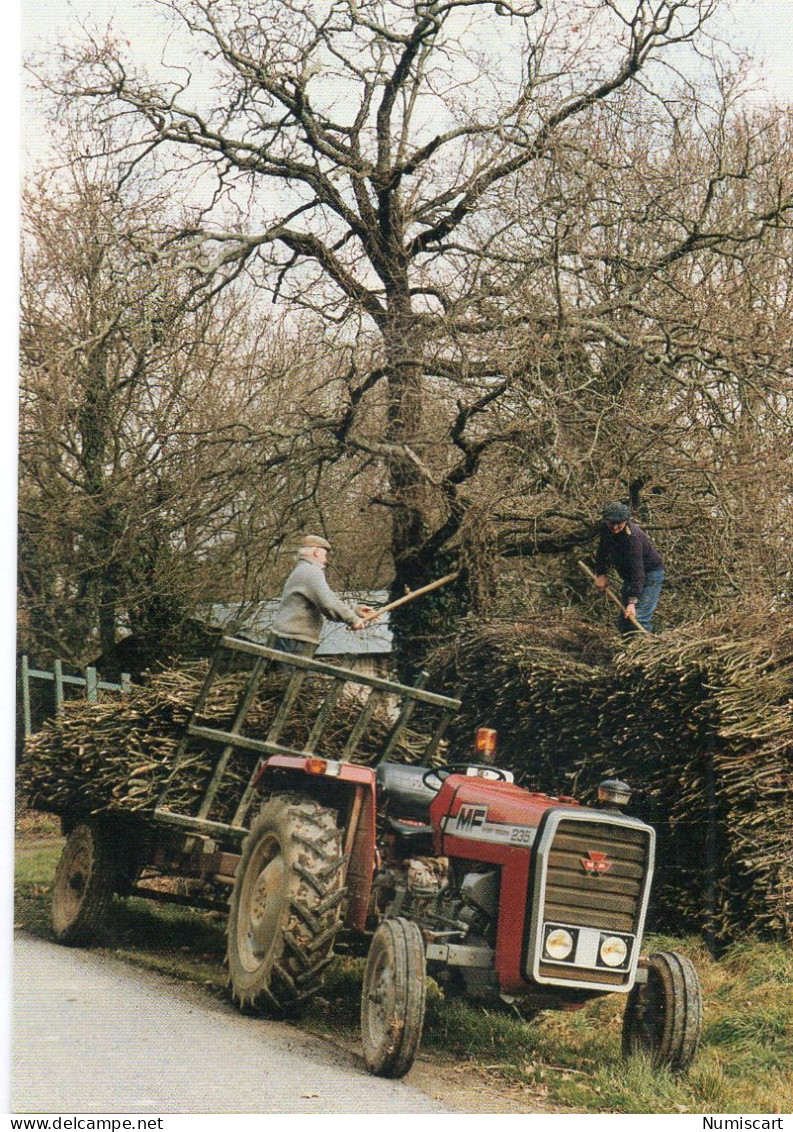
column 85, row 877
column 285, row 909
column 393, row 998
column 663, row 1017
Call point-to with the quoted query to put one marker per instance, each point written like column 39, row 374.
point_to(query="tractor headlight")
column 613, row 951
column 559, row 943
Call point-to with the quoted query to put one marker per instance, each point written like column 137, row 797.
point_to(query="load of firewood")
column 119, row 752
column 699, row 721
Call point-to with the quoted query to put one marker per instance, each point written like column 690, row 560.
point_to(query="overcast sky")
column 763, row 27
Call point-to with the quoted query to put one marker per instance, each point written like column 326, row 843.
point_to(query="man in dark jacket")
column 625, row 546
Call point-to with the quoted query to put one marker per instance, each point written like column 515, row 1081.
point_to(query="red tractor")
column 499, row 893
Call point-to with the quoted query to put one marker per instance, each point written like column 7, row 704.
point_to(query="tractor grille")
column 608, row 900
column 593, row 876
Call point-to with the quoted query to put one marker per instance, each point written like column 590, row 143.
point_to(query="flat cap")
column 315, row 540
column 616, row 513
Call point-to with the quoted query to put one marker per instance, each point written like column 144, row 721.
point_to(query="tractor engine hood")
column 485, row 811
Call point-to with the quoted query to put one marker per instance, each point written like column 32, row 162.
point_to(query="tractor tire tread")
column 665, row 1019
column 78, row 924
column 302, row 945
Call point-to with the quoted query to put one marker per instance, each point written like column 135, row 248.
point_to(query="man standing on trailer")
column 624, row 545
column 307, row 597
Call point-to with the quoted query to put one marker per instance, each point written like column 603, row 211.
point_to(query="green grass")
column 743, row 1065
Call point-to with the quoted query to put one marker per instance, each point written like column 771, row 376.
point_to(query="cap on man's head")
column 314, row 540
column 616, row 513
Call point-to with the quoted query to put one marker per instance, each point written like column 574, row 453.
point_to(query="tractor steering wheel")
column 439, row 774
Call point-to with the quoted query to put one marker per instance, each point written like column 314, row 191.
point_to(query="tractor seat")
column 405, row 798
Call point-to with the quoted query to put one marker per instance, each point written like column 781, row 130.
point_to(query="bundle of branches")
column 540, row 686
column 712, row 745
column 698, row 720
column 119, row 753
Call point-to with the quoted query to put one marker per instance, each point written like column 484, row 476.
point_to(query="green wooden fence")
column 90, row 681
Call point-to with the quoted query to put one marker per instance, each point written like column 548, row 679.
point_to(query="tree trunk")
column 407, row 487
column 96, row 427
column 403, row 428
column 418, row 556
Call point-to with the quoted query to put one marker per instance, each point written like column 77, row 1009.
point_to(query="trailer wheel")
column 85, row 878
column 393, row 998
column 285, row 908
column 663, row 1017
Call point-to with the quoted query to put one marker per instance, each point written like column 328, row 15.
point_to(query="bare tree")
column 468, row 194
column 149, row 428
column 667, row 374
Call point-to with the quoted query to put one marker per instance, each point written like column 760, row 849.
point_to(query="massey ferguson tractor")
column 454, row 872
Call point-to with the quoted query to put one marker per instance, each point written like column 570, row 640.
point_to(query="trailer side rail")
column 234, row 739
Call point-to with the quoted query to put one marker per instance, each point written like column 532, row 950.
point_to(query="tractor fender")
column 351, row 790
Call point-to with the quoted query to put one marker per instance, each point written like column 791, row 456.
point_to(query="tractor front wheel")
column 285, row 909
column 393, row 998
column 85, row 878
column 663, row 1017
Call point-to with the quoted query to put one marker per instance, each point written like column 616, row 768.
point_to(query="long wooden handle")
column 410, row 596
column 610, row 594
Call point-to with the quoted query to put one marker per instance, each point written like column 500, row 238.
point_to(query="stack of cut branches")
column 699, row 721
column 118, row 753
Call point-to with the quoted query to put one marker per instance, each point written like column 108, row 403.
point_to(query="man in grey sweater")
column 307, row 597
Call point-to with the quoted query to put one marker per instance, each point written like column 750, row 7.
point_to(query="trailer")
column 126, row 854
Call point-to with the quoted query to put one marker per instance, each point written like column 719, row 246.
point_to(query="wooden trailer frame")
column 210, row 850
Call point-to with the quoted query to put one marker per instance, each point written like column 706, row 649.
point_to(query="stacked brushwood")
column 118, row 754
column 699, row 721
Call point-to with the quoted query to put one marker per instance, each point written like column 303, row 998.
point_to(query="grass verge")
column 573, row 1060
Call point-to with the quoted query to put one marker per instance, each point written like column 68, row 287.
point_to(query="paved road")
column 91, row 1034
